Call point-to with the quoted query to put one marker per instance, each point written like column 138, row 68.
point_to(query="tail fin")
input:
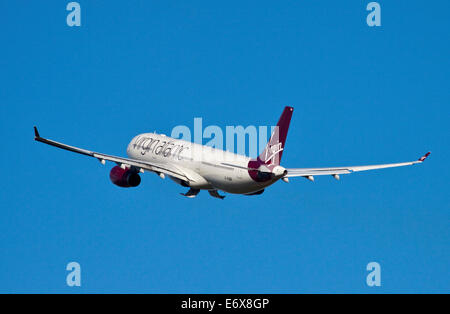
column 274, row 149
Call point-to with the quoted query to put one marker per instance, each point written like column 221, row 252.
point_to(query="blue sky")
column 361, row 95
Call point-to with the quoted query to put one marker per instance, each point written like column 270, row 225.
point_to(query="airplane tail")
column 274, row 149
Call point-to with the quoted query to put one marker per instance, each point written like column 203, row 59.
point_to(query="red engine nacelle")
column 124, row 178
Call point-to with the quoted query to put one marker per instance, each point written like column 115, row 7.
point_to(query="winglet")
column 421, row 159
column 36, row 133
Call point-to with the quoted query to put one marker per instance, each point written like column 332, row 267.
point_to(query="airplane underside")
column 192, row 192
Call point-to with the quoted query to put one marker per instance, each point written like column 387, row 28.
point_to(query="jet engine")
column 125, row 178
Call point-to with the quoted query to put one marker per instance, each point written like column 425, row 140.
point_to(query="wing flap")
column 305, row 172
column 153, row 167
column 300, row 172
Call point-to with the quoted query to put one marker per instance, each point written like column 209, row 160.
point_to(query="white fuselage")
column 207, row 168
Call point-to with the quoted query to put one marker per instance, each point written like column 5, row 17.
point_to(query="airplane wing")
column 309, row 173
column 123, row 162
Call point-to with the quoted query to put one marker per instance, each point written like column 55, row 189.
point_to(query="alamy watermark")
column 73, row 278
column 249, row 140
column 374, row 17
column 373, row 279
column 74, row 17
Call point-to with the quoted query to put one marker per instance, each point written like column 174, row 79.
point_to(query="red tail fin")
column 274, row 149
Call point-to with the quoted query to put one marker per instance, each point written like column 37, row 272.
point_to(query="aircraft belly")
column 234, row 184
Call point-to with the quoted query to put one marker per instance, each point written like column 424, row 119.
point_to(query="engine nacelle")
column 125, row 178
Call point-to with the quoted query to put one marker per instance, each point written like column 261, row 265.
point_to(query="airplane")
column 199, row 167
